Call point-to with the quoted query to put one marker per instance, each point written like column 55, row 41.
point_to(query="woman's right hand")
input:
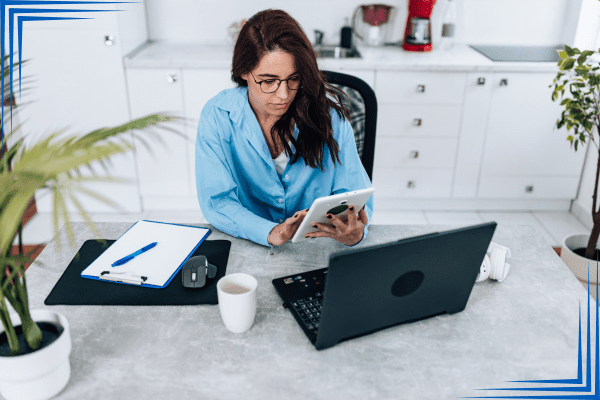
column 286, row 230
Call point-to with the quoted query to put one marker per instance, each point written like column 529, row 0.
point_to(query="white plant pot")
column 42, row 374
column 579, row 265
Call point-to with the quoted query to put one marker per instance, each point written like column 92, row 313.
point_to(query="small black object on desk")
column 195, row 271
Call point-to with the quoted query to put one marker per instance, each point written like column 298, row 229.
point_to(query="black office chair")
column 363, row 114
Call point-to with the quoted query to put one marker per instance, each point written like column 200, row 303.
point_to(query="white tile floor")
column 553, row 226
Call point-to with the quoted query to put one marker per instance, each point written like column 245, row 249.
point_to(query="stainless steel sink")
column 336, row 52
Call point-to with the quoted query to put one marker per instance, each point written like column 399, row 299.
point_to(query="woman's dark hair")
column 275, row 30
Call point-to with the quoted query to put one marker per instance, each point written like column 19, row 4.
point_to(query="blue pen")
column 133, row 255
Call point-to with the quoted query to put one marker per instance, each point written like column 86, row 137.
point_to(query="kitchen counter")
column 460, row 58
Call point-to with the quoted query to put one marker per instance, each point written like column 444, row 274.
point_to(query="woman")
column 268, row 148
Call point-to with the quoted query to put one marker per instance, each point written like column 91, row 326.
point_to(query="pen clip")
column 124, row 277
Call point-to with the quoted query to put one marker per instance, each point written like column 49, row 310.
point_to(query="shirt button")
column 287, row 177
column 280, row 200
column 281, row 221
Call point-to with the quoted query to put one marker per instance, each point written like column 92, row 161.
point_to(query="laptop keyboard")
column 309, row 310
column 303, row 296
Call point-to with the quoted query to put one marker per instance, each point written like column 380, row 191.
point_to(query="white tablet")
column 336, row 204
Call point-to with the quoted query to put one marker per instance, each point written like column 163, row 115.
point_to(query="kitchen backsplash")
column 535, row 22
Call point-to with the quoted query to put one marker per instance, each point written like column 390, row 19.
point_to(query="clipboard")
column 154, row 268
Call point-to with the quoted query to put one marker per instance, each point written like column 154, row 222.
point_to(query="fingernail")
column 329, row 216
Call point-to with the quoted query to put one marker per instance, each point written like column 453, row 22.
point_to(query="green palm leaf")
column 55, row 164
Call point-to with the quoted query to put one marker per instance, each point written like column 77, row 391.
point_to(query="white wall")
column 539, row 22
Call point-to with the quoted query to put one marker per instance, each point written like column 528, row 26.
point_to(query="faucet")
column 319, row 37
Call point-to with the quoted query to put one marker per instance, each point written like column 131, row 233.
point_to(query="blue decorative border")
column 12, row 12
column 583, row 392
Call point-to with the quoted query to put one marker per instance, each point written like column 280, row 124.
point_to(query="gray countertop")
column 521, row 329
column 460, row 58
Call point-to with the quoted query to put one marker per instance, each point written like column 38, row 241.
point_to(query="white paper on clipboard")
column 175, row 244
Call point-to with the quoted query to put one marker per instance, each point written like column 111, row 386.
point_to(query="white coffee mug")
column 237, row 301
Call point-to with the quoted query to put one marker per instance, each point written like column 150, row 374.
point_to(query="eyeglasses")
column 271, row 85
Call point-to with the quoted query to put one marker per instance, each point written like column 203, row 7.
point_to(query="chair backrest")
column 363, row 114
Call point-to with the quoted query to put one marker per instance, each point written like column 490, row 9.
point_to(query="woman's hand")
column 286, row 230
column 348, row 231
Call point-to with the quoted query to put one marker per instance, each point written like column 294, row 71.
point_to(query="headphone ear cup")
column 499, row 265
column 484, row 270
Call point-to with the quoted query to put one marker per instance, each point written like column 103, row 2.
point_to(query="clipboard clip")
column 124, row 277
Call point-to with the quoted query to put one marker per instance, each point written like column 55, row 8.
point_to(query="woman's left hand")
column 348, row 231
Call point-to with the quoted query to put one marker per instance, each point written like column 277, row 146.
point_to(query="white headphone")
column 494, row 264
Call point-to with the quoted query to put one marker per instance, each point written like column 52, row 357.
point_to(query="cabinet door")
column 521, row 137
column 200, row 85
column 472, row 134
column 77, row 83
column 162, row 165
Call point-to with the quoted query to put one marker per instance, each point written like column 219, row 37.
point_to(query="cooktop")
column 520, row 53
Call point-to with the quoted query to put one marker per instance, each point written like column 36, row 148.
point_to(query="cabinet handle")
column 411, row 184
column 171, row 78
column 481, row 81
column 421, row 88
column 414, row 154
column 503, row 82
column 417, row 121
column 529, row 189
column 109, row 40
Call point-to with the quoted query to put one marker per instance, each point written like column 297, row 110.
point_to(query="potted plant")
column 579, row 74
column 35, row 345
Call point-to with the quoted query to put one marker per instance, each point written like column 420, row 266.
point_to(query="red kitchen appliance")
column 417, row 36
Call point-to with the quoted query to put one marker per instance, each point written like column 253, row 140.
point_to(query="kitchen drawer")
column 534, row 187
column 431, row 120
column 420, row 87
column 415, row 152
column 412, row 183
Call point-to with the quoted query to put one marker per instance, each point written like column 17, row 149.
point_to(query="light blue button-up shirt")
column 239, row 190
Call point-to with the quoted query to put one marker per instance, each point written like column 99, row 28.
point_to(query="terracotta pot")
column 45, row 372
column 579, row 265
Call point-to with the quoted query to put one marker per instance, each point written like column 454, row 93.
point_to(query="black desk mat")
column 72, row 289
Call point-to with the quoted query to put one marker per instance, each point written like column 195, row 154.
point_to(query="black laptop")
column 368, row 289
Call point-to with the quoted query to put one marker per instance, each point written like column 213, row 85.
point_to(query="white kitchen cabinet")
column 417, row 133
column 522, row 144
column 76, row 82
column 418, row 121
column 411, row 152
column 162, row 165
column 200, row 85
column 420, row 87
column 528, row 187
column 478, row 91
column 412, row 183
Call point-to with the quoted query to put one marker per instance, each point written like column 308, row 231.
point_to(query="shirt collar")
column 234, row 102
column 241, row 114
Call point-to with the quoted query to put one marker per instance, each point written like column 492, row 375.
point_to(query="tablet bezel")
column 322, row 205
